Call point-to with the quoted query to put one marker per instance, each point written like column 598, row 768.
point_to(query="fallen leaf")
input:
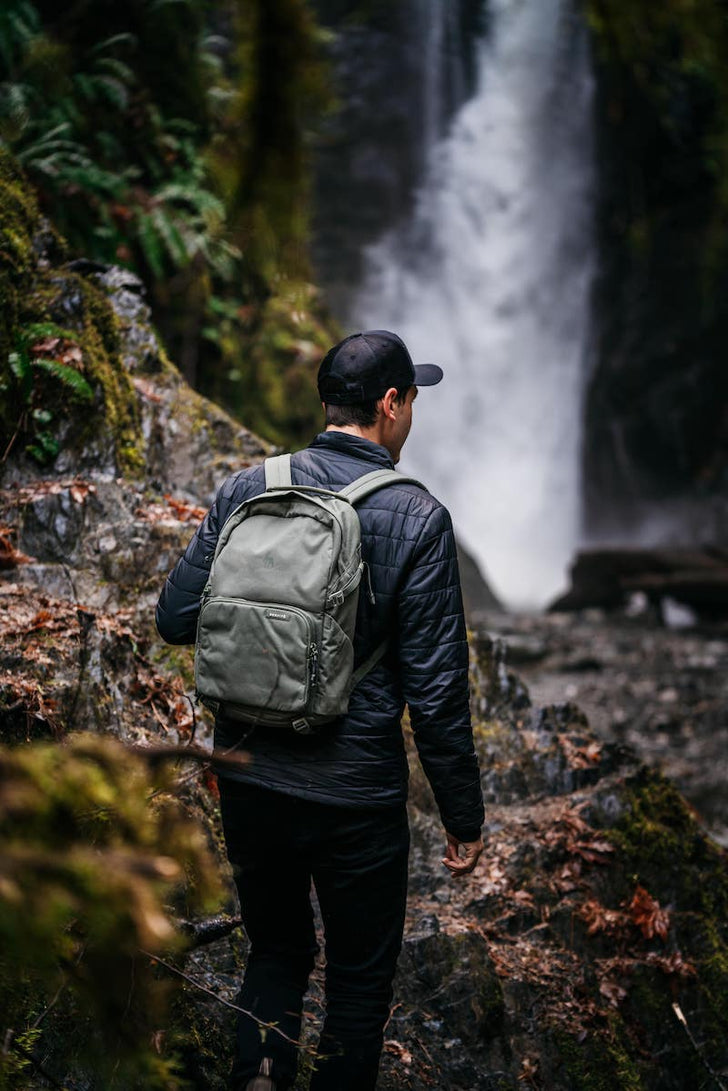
column 10, row 557
column 647, row 915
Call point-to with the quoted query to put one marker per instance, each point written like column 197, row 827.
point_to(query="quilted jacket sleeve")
column 179, row 603
column 433, row 654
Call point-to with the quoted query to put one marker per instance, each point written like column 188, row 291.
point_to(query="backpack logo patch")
column 277, row 615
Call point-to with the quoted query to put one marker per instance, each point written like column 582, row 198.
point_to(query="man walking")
column 329, row 808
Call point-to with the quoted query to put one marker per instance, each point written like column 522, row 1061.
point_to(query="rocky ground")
column 661, row 690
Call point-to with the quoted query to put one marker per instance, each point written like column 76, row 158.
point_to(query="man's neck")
column 373, row 434
column 354, row 430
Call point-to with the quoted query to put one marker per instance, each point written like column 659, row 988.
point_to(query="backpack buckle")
column 302, row 727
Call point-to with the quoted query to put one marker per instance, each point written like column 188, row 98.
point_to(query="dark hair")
column 361, row 414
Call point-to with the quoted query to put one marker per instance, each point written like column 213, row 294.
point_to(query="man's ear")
column 388, row 401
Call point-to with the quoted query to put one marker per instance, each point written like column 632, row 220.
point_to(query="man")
column 330, row 808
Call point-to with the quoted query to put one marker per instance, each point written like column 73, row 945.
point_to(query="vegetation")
column 93, row 861
column 172, row 136
column 666, row 78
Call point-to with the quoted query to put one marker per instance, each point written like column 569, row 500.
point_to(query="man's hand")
column 461, row 856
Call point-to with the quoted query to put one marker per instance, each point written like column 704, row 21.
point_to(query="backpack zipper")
column 312, row 666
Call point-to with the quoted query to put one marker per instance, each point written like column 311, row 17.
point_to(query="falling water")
column 490, row 277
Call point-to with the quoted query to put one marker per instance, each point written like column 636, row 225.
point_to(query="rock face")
column 655, row 426
column 600, row 901
column 400, row 72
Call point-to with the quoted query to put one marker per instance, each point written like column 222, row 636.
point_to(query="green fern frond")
column 19, row 24
column 19, row 365
column 85, row 85
column 150, row 246
column 200, row 200
column 115, row 92
column 70, row 378
column 38, row 331
column 44, row 449
column 172, row 237
column 115, row 40
column 117, row 68
column 15, row 112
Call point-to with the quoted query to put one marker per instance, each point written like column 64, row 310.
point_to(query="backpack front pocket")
column 256, row 654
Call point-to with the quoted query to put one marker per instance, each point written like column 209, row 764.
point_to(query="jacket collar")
column 354, row 446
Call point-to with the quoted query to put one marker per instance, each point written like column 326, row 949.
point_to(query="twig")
column 425, row 1050
column 9, row 447
column 49, row 1007
column 225, row 759
column 191, row 739
column 229, row 1004
column 705, row 1063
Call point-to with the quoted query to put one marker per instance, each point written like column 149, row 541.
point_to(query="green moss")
column 100, row 345
column 601, row 1062
column 177, row 660
column 32, row 291
column 272, row 386
column 666, row 850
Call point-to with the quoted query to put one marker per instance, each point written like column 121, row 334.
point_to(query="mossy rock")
column 49, row 311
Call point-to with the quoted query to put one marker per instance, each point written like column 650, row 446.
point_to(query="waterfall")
column 490, row 277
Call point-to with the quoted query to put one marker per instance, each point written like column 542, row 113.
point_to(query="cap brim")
column 427, row 374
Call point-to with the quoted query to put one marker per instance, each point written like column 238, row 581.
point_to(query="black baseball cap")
column 363, row 366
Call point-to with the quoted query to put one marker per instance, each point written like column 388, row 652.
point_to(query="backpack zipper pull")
column 313, row 664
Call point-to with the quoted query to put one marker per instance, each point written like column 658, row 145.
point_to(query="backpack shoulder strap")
column 278, row 472
column 377, row 479
column 369, row 663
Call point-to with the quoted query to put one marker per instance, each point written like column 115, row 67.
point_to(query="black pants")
column 357, row 859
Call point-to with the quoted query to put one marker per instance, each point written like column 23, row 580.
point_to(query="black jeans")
column 357, row 859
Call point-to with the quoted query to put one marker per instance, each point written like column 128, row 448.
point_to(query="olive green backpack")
column 275, row 633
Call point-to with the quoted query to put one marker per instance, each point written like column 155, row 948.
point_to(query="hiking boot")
column 263, row 1081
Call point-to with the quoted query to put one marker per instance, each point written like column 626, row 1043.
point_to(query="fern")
column 34, row 331
column 111, row 43
column 19, row 24
column 72, row 379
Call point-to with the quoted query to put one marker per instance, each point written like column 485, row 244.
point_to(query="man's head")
column 367, row 384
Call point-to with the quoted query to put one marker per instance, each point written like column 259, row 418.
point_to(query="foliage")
column 173, row 137
column 43, row 349
column 86, row 871
column 669, row 69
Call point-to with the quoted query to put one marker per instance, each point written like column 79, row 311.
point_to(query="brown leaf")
column 79, row 490
column 647, row 915
column 672, row 964
column 10, row 557
column 598, row 918
column 399, row 1051
column 185, row 512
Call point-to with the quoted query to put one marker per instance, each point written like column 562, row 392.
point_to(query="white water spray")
column 491, row 279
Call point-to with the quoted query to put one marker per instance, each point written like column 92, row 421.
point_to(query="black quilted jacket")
column 359, row 760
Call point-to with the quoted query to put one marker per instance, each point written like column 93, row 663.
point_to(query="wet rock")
column 689, row 578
